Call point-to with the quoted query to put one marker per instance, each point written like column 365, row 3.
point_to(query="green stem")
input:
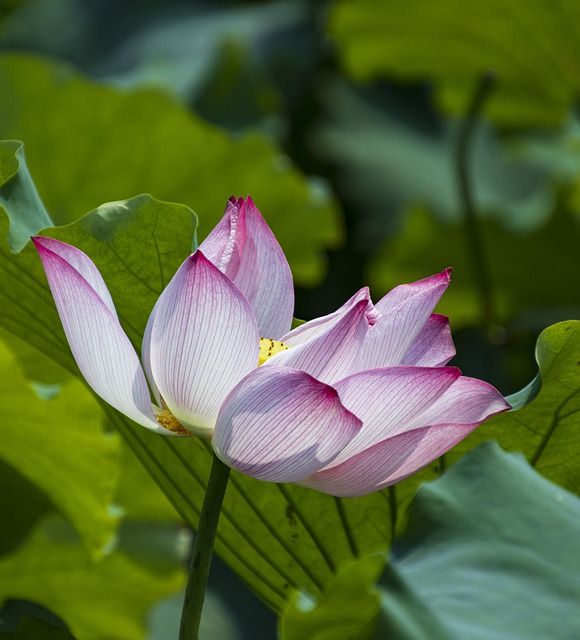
column 472, row 227
column 203, row 550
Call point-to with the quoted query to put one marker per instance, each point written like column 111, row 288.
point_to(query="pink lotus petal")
column 226, row 242
column 403, row 313
column 389, row 461
column 390, row 401
column 467, row 400
column 99, row 345
column 82, row 264
column 433, row 346
column 244, row 248
column 315, row 327
column 203, row 341
column 332, row 354
column 427, row 435
column 282, row 425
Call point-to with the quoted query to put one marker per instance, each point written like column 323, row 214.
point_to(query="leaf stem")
column 203, row 550
column 472, row 227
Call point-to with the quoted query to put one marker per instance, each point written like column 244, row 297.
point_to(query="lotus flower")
column 346, row 404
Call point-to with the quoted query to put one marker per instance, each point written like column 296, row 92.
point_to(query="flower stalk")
column 481, row 268
column 203, row 550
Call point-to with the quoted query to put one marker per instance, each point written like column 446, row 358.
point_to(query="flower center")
column 269, row 348
column 166, row 419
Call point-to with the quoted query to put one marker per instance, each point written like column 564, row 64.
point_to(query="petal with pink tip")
column 333, row 354
column 203, row 341
column 467, row 400
column 403, row 314
column 226, row 242
column 244, row 248
column 433, row 346
column 390, row 401
column 82, row 264
column 282, row 425
column 99, row 345
column 427, row 435
column 389, row 461
column 315, row 327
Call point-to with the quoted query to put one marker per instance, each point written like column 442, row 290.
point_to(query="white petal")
column 99, row 345
column 203, row 341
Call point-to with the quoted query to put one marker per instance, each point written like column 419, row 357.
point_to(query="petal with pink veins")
column 315, row 327
column 433, row 346
column 282, row 425
column 428, row 434
column 389, row 461
column 243, row 247
column 102, row 350
column 81, row 263
column 332, row 354
column 403, row 314
column 203, row 341
column 390, row 401
column 467, row 400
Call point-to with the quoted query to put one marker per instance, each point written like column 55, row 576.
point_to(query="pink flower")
column 347, row 403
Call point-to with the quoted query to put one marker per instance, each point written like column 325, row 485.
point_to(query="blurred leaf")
column 137, row 495
column 346, row 610
column 98, row 144
column 215, row 54
column 389, row 155
column 533, row 48
column 490, row 552
column 98, row 600
column 217, row 622
column 23, row 620
column 530, row 271
column 58, row 445
column 22, row 504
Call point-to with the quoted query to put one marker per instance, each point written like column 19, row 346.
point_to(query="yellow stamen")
column 269, row 348
column 166, row 419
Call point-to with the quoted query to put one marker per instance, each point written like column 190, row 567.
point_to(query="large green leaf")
column 106, row 599
column 490, row 551
column 58, row 445
column 88, row 143
column 547, row 430
column 533, row 49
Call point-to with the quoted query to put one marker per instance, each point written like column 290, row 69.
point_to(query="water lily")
column 346, row 404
